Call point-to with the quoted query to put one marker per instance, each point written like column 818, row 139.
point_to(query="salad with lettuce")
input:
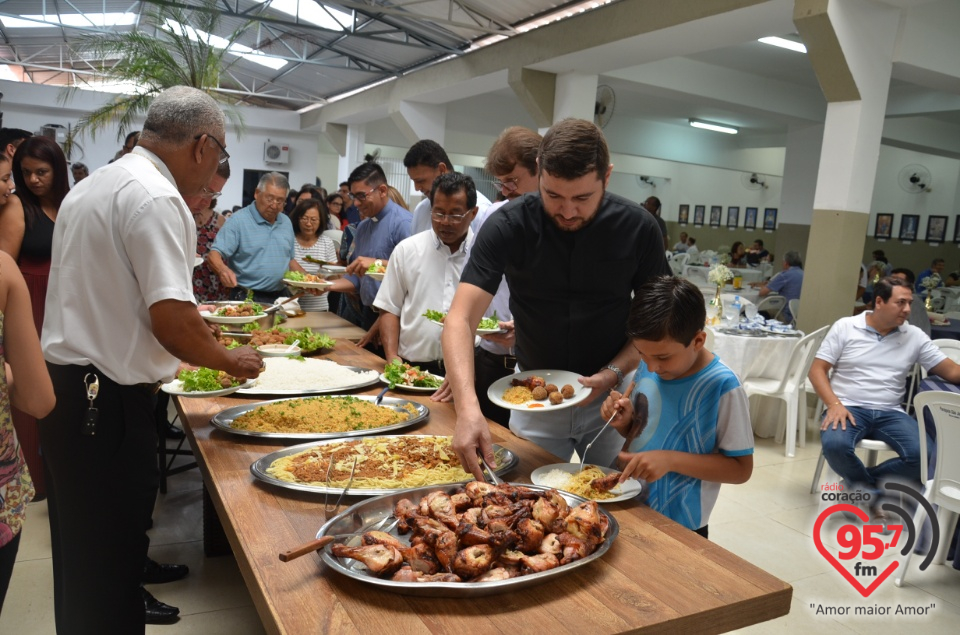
column 491, row 323
column 206, row 380
column 403, row 374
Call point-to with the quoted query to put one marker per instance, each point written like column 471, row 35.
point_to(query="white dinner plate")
column 558, row 377
column 384, row 379
column 476, row 332
column 787, row 332
column 376, row 276
column 334, row 269
column 626, row 490
column 221, row 319
column 175, row 387
column 303, row 284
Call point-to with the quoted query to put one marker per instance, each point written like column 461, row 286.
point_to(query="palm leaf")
column 165, row 52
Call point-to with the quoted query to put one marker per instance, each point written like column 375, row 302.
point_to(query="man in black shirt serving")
column 571, row 255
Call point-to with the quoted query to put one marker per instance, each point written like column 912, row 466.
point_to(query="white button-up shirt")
column 423, row 274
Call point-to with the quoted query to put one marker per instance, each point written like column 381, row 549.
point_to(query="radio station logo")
column 862, row 544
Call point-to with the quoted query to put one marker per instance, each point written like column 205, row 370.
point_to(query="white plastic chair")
column 944, row 488
column 772, row 305
column 789, row 388
column 678, row 262
column 697, row 275
column 794, row 306
column 951, row 348
column 335, row 235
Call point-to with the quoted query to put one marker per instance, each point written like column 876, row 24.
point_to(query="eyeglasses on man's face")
column 206, row 192
column 362, row 196
column 224, row 155
column 508, row 184
column 448, row 218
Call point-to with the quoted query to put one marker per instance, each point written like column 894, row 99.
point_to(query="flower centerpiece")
column 930, row 283
column 724, row 258
column 719, row 275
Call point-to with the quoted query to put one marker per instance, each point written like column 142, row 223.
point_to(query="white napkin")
column 290, row 307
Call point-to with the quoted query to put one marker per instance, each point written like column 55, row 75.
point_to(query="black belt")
column 151, row 387
column 437, row 363
column 509, row 361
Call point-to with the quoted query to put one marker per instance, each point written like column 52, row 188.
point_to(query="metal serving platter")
column 224, row 419
column 366, row 513
column 506, row 459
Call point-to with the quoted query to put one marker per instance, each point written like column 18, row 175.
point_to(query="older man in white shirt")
column 424, row 273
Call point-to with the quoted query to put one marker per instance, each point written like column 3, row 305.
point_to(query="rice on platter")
column 286, row 373
column 320, row 414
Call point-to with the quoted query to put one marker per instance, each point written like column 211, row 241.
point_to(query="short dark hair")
column 452, row 182
column 305, row 206
column 691, row 240
column 759, row 242
column 883, row 288
column 368, row 172
column 515, row 145
column 667, row 306
column 46, row 150
column 12, row 135
column 936, row 261
column 907, row 273
column 573, row 148
column 428, row 153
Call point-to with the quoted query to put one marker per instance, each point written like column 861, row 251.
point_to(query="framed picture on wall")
column 750, row 218
column 936, row 229
column 884, row 227
column 908, row 226
column 956, row 230
column 770, row 218
column 715, row 212
column 733, row 217
column 698, row 212
column 683, row 217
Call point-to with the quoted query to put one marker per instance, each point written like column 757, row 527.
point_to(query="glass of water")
column 751, row 311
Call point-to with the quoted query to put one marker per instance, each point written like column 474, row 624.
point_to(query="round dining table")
column 699, row 273
column 763, row 357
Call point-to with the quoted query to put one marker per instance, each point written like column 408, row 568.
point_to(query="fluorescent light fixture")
column 215, row 41
column 716, row 127
column 70, row 19
column 784, row 43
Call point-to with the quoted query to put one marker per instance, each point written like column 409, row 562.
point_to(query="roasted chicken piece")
column 379, row 559
column 551, row 544
column 471, row 516
column 539, row 562
column 445, row 547
column 461, row 502
column 382, row 538
column 500, row 573
column 530, row 382
column 473, row 561
column 606, row 483
column 407, row 574
column 584, row 522
column 404, row 511
column 421, row 558
column 545, row 511
column 476, row 490
column 573, row 548
column 531, row 534
column 439, row 505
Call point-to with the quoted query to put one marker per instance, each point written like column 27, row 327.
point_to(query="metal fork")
column 616, row 411
column 327, row 509
column 493, row 475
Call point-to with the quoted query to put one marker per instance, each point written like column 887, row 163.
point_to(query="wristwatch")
column 617, row 372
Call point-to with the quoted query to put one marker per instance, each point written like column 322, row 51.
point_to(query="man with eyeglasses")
column 258, row 242
column 512, row 160
column 383, row 226
column 425, row 161
column 121, row 312
column 423, row 274
column 572, row 255
column 350, row 212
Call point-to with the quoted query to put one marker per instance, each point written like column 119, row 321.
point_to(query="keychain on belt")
column 90, row 420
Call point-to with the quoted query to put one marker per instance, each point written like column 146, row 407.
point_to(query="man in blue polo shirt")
column 258, row 242
column 787, row 283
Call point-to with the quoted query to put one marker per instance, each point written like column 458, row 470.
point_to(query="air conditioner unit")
column 275, row 152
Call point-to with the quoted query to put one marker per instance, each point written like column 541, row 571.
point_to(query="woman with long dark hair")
column 42, row 178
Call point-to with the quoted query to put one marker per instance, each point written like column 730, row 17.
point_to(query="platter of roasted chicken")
column 466, row 541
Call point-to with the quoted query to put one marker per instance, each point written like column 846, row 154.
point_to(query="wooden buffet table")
column 656, row 577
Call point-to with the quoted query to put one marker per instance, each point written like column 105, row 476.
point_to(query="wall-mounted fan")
column 753, row 181
column 645, row 182
column 914, row 179
column 604, row 105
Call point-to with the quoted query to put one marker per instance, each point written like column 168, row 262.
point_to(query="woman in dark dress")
column 42, row 177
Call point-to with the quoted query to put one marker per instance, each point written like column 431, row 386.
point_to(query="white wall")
column 29, row 106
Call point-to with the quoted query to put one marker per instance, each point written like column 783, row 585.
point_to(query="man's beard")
column 583, row 222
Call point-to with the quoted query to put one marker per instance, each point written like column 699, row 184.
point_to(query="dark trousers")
column 260, row 297
column 8, row 556
column 434, row 368
column 101, row 490
column 488, row 368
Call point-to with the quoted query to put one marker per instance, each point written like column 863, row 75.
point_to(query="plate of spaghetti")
column 568, row 478
column 385, row 464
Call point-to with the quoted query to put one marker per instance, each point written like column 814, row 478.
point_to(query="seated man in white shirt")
column 424, row 273
column 681, row 246
column 871, row 355
column 693, row 252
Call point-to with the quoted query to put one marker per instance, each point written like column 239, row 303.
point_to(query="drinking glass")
column 751, row 311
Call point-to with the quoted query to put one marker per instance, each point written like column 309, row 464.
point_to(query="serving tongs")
column 494, row 479
column 616, row 411
column 317, row 261
column 320, row 543
column 273, row 307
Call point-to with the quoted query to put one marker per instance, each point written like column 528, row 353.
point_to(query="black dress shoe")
column 156, row 612
column 156, row 573
column 171, row 431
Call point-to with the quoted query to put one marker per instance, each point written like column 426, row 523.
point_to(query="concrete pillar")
column 536, row 91
column 851, row 46
column 419, row 121
column 349, row 160
column 576, row 95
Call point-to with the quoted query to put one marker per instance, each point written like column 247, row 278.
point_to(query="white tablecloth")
column 765, row 357
column 699, row 273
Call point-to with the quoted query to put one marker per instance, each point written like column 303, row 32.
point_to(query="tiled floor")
column 767, row 521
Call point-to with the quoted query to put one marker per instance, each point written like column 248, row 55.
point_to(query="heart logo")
column 855, row 583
